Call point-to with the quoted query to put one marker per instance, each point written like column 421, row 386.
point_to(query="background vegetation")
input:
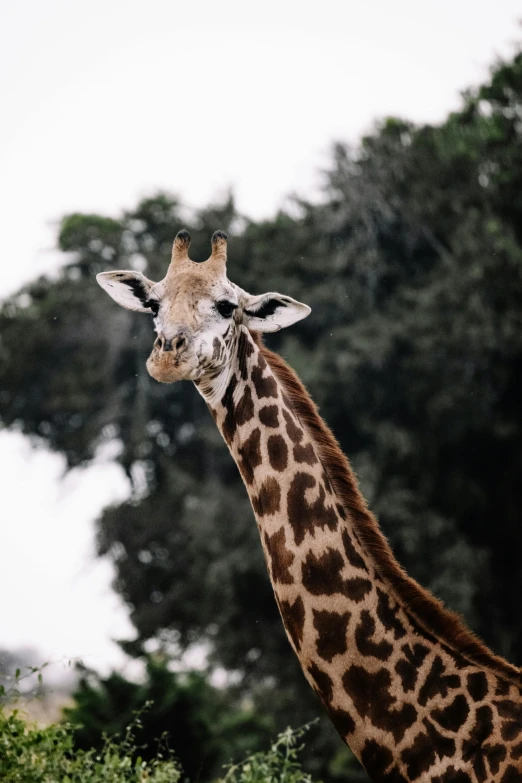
column 412, row 264
column 32, row 754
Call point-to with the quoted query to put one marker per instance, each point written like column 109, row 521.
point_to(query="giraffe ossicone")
column 411, row 690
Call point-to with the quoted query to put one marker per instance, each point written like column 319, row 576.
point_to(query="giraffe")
column 414, row 694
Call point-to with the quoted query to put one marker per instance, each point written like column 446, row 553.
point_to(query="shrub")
column 32, row 754
column 29, row 754
column 279, row 764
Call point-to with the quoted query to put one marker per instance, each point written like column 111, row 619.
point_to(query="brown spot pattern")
column 377, row 761
column 512, row 727
column 424, row 751
column 472, row 747
column 331, row 630
column 277, row 452
column 495, row 755
column 371, row 696
column 443, row 746
column 510, row 731
column 239, row 414
column 293, row 617
column 484, row 757
column 265, row 387
column 323, row 682
column 511, row 775
column 227, row 402
column 341, row 512
column 268, row 500
column 245, row 349
column 408, row 667
column 342, row 720
column 294, row 432
column 216, row 348
column 387, row 614
column 477, row 685
column 281, row 557
column 512, row 714
column 322, row 576
column 305, row 454
column 357, row 588
column 268, row 415
column 354, row 558
column 363, row 639
column 437, row 682
column 304, row 516
column 245, row 408
column 454, row 715
column 250, row 455
column 516, row 752
column 326, row 481
column 502, row 688
column 261, row 362
column 419, row 757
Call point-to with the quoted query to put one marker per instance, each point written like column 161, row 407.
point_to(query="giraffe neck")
column 405, row 701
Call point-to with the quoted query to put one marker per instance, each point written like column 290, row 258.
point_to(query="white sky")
column 55, row 593
column 108, row 100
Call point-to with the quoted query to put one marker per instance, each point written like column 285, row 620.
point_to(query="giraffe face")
column 198, row 312
column 196, row 323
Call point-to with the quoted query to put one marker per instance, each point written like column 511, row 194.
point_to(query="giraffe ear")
column 272, row 312
column 130, row 289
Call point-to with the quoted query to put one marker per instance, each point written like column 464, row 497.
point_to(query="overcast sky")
column 108, row 100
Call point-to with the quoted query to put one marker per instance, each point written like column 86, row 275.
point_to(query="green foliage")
column 32, row 754
column 18, row 675
column 279, row 764
column 29, row 754
column 201, row 724
column 93, row 237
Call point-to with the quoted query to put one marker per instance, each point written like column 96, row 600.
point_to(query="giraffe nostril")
column 163, row 344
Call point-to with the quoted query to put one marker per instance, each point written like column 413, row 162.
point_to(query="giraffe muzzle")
column 176, row 344
column 171, row 358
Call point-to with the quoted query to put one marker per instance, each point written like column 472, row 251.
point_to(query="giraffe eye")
column 225, row 309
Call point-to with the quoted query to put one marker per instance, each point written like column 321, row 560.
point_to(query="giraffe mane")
column 430, row 613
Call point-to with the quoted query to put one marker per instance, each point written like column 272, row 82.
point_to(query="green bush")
column 206, row 727
column 29, row 754
column 32, row 754
column 279, row 764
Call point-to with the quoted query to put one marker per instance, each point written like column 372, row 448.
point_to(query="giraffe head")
column 198, row 313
